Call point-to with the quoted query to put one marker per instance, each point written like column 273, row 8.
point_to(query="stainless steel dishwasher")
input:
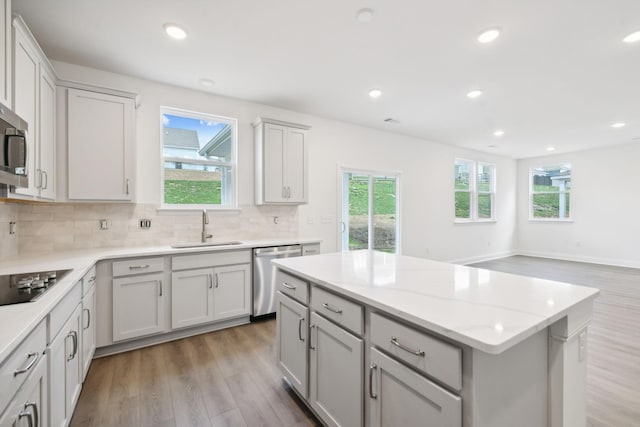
column 264, row 276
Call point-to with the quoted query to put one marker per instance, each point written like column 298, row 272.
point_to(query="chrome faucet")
column 205, row 221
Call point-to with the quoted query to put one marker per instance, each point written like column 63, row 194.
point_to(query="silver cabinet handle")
column 217, row 281
column 33, row 405
column 335, row 310
column 417, row 352
column 127, row 186
column 371, row 369
column 310, row 251
column 88, row 318
column 288, row 286
column 44, row 187
column 39, row 172
column 288, row 192
column 274, row 254
column 23, row 414
column 32, row 358
column 284, row 192
column 160, row 285
column 74, row 337
column 210, row 277
column 138, row 267
column 311, row 337
column 300, row 321
column 92, row 279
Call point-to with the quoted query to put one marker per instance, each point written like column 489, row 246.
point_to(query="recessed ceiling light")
column 375, row 93
column 618, row 125
column 498, row 133
column 364, row 16
column 474, row 94
column 175, row 31
column 489, row 35
column 207, row 82
column 632, row 38
column 492, row 146
column 551, row 148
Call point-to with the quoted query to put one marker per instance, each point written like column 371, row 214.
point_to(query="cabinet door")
column 231, row 293
column 295, row 160
column 65, row 371
column 191, row 297
column 400, row 396
column 29, row 406
column 5, row 52
column 335, row 380
column 101, row 132
column 25, row 102
column 88, row 329
column 138, row 306
column 292, row 326
column 273, row 166
column 46, row 137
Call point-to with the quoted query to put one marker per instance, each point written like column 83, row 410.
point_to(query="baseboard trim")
column 166, row 337
column 578, row 258
column 482, row 258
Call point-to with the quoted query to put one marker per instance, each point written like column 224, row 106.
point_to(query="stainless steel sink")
column 205, row 244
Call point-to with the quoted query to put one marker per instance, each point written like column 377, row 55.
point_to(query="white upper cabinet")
column 34, row 99
column 101, row 138
column 5, row 52
column 281, row 162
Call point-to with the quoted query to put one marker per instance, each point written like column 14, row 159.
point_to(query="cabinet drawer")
column 436, row 358
column 311, row 249
column 17, row 367
column 292, row 286
column 338, row 309
column 88, row 280
column 137, row 266
column 210, row 259
column 61, row 312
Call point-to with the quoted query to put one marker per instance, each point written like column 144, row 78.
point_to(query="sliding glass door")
column 370, row 202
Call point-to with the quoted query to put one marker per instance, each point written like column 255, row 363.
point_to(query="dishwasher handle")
column 276, row 254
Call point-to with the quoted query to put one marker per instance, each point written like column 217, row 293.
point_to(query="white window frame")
column 233, row 193
column 474, row 192
column 561, row 193
column 343, row 205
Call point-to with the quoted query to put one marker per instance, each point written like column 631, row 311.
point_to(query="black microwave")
column 13, row 152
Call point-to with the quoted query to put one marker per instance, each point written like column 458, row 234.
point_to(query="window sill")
column 568, row 220
column 469, row 221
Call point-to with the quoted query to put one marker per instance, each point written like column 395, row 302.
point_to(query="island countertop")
column 486, row 310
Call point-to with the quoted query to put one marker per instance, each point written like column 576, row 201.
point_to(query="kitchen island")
column 368, row 338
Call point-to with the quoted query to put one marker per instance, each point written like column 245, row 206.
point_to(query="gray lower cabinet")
column 335, row 373
column 401, row 397
column 292, row 325
column 138, row 306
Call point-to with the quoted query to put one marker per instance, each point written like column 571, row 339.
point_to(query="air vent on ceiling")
column 391, row 120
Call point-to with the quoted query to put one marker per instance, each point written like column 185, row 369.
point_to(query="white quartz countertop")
column 18, row 320
column 486, row 310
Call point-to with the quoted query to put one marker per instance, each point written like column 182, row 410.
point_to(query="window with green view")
column 550, row 190
column 474, row 191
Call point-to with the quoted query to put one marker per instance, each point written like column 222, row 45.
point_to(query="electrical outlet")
column 104, row 224
column 145, row 223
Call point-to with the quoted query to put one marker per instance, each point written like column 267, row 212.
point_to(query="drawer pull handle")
column 418, row 352
column 311, row 337
column 288, row 286
column 26, row 414
column 371, row 369
column 160, row 286
column 74, row 336
column 335, row 310
column 86, row 310
column 300, row 321
column 92, row 279
column 32, row 359
column 138, row 267
column 34, row 405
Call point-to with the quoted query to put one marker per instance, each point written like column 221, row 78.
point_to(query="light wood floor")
column 224, row 378
column 613, row 372
column 230, row 378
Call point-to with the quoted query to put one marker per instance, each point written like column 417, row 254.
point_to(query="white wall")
column 427, row 169
column 605, row 202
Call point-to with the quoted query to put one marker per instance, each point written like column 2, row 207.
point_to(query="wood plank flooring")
column 613, row 372
column 230, row 377
column 224, row 378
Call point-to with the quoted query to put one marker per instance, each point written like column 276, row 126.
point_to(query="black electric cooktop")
column 27, row 287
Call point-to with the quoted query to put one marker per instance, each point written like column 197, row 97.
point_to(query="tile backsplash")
column 67, row 226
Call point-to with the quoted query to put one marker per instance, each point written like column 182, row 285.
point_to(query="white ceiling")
column 558, row 75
